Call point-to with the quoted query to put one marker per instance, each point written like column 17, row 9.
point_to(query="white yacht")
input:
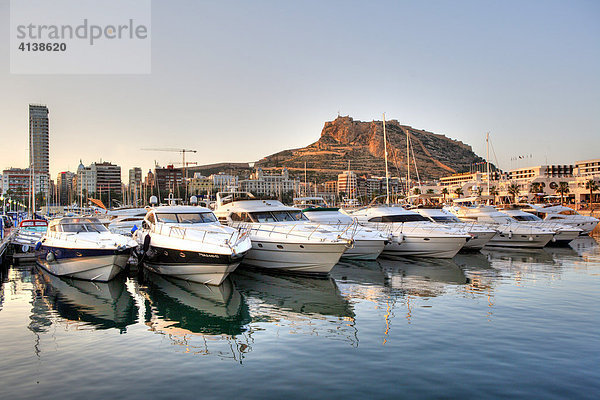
column 412, row 234
column 368, row 242
column 187, row 242
column 480, row 235
column 282, row 237
column 83, row 248
column 564, row 215
column 511, row 233
column 563, row 233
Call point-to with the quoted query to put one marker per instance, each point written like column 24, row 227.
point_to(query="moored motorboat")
column 563, row 234
column 368, row 242
column 480, row 235
column 511, row 233
column 282, row 237
column 29, row 232
column 187, row 242
column 412, row 234
column 83, row 248
column 564, row 215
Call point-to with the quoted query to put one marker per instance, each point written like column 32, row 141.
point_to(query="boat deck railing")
column 273, row 229
column 183, row 233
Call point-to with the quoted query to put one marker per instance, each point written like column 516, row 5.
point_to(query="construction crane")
column 183, row 163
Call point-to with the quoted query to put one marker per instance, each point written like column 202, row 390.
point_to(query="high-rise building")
column 135, row 176
column 39, row 145
column 99, row 180
column 169, row 178
column 64, row 183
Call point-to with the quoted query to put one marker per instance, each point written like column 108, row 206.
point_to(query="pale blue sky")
column 240, row 80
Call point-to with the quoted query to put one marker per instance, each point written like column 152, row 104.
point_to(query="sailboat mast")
column 487, row 143
column 387, row 174
column 305, row 187
column 407, row 163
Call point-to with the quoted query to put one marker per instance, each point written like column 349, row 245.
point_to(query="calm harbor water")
column 500, row 323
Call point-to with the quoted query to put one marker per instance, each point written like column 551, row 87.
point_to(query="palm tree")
column 514, row 190
column 494, row 192
column 416, row 191
column 592, row 186
column 536, row 188
column 458, row 191
column 479, row 191
column 430, row 191
column 444, row 193
column 562, row 189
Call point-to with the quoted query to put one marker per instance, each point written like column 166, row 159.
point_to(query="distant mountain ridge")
column 361, row 143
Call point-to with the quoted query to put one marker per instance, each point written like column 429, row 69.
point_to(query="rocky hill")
column 361, row 143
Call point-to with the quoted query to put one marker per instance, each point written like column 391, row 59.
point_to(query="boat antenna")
column 387, row 173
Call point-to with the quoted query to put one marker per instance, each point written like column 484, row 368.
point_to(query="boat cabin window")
column 81, row 227
column 168, row 218
column 399, row 218
column 298, row 215
column 526, row 218
column 262, row 217
column 186, row 218
column 445, row 218
column 568, row 212
column 283, row 216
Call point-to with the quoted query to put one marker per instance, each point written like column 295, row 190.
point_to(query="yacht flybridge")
column 282, row 237
column 480, row 235
column 412, row 234
column 564, row 215
column 563, row 233
column 368, row 242
column 187, row 242
column 83, row 248
column 511, row 233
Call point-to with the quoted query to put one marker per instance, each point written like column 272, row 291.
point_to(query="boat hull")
column 479, row 240
column 206, row 268
column 531, row 241
column 416, row 246
column 564, row 237
column 364, row 250
column 100, row 268
column 303, row 258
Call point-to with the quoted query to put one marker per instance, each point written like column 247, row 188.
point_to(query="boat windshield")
column 81, row 227
column 445, row 218
column 278, row 216
column 399, row 218
column 186, row 218
column 526, row 218
column 262, row 217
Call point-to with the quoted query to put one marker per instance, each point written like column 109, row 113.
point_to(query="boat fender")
column 25, row 248
column 38, row 246
column 135, row 228
column 400, row 238
column 146, row 245
column 530, row 238
column 554, row 239
column 50, row 257
column 510, row 235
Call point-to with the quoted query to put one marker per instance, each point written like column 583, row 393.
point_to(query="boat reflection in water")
column 86, row 304
column 587, row 247
column 361, row 280
column 304, row 304
column 423, row 277
column 204, row 320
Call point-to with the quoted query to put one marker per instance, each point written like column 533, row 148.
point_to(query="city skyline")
column 270, row 78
